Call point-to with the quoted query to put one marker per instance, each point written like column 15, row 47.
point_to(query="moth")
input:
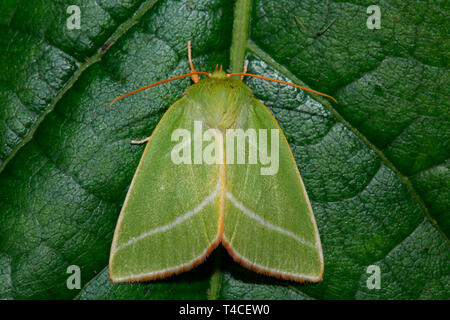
column 217, row 169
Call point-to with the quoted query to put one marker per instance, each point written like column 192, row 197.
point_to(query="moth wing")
column 170, row 219
column 269, row 225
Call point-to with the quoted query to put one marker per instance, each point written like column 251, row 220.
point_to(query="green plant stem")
column 240, row 35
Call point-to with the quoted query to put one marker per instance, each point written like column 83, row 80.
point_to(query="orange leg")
column 245, row 69
column 194, row 77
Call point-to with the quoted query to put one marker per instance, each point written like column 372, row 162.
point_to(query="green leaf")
column 376, row 166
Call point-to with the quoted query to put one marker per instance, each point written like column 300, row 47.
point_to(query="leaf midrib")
column 239, row 39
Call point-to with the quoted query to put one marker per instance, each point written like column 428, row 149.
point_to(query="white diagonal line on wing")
column 172, row 224
column 258, row 218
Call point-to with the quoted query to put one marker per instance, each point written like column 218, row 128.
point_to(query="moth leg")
column 245, row 69
column 194, row 77
column 140, row 141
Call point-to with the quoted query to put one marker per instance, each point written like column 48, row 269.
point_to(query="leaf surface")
column 376, row 166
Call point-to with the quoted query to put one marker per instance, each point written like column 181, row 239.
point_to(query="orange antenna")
column 281, row 81
column 159, row 82
column 195, row 77
column 215, row 69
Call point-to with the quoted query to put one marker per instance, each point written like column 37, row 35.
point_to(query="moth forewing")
column 269, row 223
column 168, row 224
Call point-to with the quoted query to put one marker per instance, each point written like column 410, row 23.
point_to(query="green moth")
column 216, row 169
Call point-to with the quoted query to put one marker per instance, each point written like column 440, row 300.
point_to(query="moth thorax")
column 227, row 121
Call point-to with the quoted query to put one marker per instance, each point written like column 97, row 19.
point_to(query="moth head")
column 220, row 74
